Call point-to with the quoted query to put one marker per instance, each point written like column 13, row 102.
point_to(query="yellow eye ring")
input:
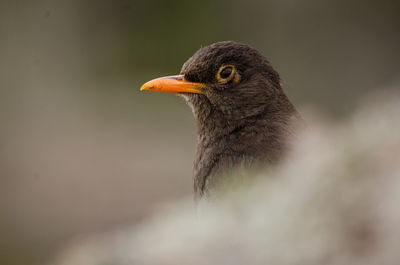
column 226, row 73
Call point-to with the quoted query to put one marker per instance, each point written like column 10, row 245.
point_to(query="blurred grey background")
column 82, row 150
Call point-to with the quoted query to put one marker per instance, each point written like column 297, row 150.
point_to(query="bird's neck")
column 224, row 143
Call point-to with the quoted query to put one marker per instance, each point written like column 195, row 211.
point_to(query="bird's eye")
column 226, row 73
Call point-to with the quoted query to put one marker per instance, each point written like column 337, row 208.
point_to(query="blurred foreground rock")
column 334, row 201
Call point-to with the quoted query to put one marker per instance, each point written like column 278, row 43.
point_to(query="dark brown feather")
column 239, row 124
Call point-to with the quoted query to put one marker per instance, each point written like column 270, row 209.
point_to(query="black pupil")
column 225, row 73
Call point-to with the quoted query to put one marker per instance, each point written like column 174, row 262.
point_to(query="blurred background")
column 82, row 150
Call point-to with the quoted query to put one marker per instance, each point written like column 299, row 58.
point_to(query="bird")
column 244, row 118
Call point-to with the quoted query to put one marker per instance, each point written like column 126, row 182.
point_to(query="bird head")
column 227, row 79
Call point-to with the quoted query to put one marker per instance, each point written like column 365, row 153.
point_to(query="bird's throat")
column 225, row 143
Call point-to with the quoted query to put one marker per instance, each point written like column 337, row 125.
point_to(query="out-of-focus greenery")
column 334, row 201
column 81, row 149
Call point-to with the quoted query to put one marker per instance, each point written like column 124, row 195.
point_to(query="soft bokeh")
column 334, row 200
column 82, row 150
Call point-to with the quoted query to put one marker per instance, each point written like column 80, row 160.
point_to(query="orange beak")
column 174, row 84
